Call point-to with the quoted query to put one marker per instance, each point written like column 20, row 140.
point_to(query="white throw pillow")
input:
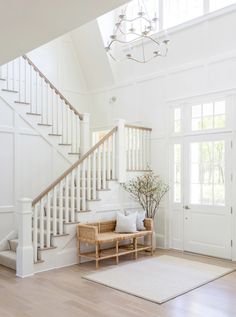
column 126, row 224
column 140, row 218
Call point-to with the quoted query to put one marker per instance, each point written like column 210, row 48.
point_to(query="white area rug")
column 159, row 279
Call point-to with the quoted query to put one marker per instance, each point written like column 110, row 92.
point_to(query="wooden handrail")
column 60, row 178
column 137, row 127
column 52, row 86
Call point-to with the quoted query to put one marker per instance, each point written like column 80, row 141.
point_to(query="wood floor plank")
column 63, row 293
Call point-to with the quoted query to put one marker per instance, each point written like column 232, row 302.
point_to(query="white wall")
column 27, row 165
column 58, row 61
column 201, row 59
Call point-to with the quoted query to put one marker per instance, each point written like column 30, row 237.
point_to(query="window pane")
column 219, row 195
column 195, row 152
column 207, row 122
column 219, row 107
column 219, row 121
column 195, row 194
column 207, row 173
column 206, row 152
column 179, row 11
column 207, row 109
column 219, row 152
column 218, row 4
column 177, row 126
column 195, row 173
column 177, row 153
column 177, row 113
column 196, row 111
column 177, row 173
column 196, row 124
column 207, row 195
column 177, row 193
column 219, row 175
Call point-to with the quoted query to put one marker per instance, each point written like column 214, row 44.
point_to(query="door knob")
column 186, row 207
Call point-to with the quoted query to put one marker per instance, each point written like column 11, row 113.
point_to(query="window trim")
column 186, row 114
column 206, row 16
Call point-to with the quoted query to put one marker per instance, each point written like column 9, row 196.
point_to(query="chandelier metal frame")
column 146, row 34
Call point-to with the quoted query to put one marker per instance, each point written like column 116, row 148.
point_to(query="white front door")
column 206, row 195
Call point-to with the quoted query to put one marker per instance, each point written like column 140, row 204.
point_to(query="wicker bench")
column 103, row 233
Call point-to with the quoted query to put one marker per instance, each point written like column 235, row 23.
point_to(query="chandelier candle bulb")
column 136, row 34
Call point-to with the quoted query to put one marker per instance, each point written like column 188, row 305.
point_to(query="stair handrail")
column 137, row 127
column 70, row 169
column 52, row 86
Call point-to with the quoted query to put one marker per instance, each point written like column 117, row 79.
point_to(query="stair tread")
column 33, row 113
column 10, row 90
column 22, row 102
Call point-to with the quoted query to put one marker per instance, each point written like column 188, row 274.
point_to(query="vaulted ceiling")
column 27, row 24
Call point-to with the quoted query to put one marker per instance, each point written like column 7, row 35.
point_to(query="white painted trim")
column 7, row 209
column 24, row 131
column 11, row 235
column 169, row 71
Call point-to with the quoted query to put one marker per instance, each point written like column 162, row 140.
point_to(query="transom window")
column 177, row 120
column 210, row 115
column 178, row 11
column 219, row 4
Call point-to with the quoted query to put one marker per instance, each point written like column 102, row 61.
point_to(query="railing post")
column 85, row 133
column 24, row 253
column 121, row 151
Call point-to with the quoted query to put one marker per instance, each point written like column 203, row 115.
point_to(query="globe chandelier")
column 133, row 36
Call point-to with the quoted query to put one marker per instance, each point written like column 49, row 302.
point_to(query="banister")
column 52, row 86
column 137, row 127
column 69, row 170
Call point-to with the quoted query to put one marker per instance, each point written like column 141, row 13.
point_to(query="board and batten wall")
column 201, row 61
column 28, row 163
column 58, row 61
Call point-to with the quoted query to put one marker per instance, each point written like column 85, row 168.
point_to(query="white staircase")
column 84, row 192
column 28, row 91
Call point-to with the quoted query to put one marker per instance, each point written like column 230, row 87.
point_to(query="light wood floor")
column 62, row 293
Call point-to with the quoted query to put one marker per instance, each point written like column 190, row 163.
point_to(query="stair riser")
column 63, row 213
column 70, row 201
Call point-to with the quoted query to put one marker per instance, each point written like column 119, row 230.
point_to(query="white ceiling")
column 27, row 24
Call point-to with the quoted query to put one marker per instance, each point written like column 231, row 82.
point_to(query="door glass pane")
column 206, row 194
column 207, row 173
column 195, row 196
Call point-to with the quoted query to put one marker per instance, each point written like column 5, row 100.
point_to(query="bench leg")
column 151, row 244
column 79, row 257
column 117, row 251
column 136, row 248
column 97, row 255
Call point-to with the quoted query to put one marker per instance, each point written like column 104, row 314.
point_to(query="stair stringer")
column 65, row 251
column 21, row 110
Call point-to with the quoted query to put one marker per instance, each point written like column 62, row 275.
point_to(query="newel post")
column 121, row 151
column 24, row 253
column 85, row 133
